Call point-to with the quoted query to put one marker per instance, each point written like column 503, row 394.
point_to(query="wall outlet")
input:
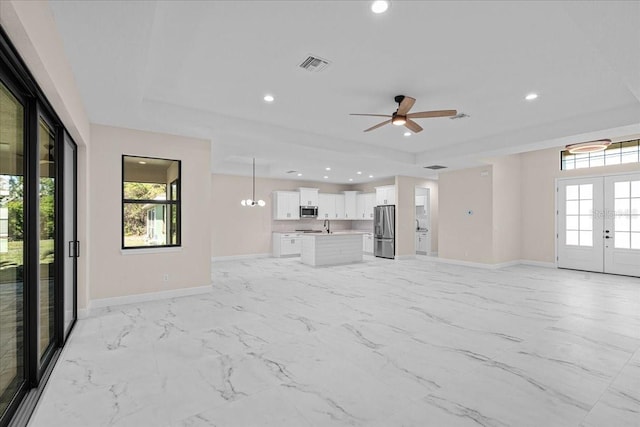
column 165, row 278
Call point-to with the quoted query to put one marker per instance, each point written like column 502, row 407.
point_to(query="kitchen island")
column 331, row 249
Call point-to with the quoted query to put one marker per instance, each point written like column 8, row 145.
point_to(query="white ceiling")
column 202, row 68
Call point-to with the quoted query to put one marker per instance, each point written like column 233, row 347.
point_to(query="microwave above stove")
column 308, row 211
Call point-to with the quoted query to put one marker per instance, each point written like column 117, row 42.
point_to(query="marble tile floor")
column 379, row 343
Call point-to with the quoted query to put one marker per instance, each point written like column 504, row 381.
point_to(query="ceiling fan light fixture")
column 398, row 120
column 588, row 147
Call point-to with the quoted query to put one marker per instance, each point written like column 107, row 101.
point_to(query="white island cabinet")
column 286, row 244
column 331, row 249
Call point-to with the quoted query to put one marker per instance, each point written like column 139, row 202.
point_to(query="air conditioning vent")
column 459, row 116
column 435, row 167
column 314, row 64
column 292, row 171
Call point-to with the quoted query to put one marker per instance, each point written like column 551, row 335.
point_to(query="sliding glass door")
column 38, row 245
column 12, row 247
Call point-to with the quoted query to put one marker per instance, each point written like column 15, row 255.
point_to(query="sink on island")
column 341, row 247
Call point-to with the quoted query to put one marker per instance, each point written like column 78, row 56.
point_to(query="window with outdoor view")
column 150, row 202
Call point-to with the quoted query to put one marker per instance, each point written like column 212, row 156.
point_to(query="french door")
column 599, row 224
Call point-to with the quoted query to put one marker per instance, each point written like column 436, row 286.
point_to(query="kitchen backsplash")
column 316, row 224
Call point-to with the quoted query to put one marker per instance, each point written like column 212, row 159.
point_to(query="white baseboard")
column 403, row 257
column 83, row 313
column 494, row 266
column 151, row 296
column 236, row 257
column 538, row 263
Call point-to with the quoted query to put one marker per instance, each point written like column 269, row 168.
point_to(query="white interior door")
column 581, row 224
column 622, row 224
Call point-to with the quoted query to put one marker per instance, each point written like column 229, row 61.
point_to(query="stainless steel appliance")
column 308, row 211
column 384, row 222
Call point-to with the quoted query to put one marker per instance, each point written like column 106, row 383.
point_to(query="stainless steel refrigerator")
column 384, row 222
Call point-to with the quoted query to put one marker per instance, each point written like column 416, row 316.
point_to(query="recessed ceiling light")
column 325, row 177
column 370, row 176
column 142, row 163
column 379, row 6
column 268, row 98
column 350, row 179
column 407, row 134
column 299, row 174
column 327, row 169
column 531, row 96
column 359, row 173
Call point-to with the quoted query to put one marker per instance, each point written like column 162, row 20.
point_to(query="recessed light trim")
column 326, row 177
column 299, row 174
column 359, row 172
column 531, row 96
column 269, row 98
column 407, row 134
column 327, row 168
column 370, row 176
column 379, row 6
column 350, row 179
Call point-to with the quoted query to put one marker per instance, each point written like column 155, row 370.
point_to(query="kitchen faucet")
column 326, row 225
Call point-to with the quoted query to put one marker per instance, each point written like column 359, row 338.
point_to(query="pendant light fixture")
column 588, row 147
column 253, row 202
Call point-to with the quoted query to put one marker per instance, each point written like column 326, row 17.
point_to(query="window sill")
column 134, row 251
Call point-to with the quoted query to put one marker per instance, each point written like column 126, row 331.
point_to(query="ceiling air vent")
column 314, row 64
column 292, row 171
column 435, row 167
column 459, row 116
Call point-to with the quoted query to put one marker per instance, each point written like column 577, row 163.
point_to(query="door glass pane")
column 586, row 191
column 572, row 238
column 622, row 189
column 635, row 189
column 69, row 233
column 11, row 246
column 573, row 207
column 635, row 206
column 46, row 254
column 586, row 238
column 622, row 223
column 572, row 222
column 622, row 206
column 635, row 223
column 572, row 192
column 586, row 207
column 635, row 240
column 586, row 222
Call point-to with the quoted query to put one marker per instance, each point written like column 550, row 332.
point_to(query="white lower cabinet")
column 367, row 243
column 423, row 242
column 286, row 244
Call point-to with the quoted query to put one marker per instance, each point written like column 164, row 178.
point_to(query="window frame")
column 601, row 154
column 177, row 203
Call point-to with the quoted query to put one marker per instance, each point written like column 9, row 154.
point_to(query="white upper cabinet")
column 339, row 206
column 364, row 206
column 286, row 205
column 386, row 195
column 308, row 196
column 326, row 206
column 350, row 204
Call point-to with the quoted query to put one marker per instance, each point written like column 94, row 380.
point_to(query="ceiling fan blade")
column 371, row 115
column 386, row 122
column 427, row 114
column 405, row 105
column 413, row 126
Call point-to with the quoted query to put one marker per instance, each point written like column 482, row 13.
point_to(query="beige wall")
column 33, row 32
column 462, row 236
column 507, row 219
column 239, row 230
column 114, row 272
column 540, row 169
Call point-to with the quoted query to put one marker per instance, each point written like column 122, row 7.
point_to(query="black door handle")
column 607, row 237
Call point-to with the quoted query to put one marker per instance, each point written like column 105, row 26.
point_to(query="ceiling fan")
column 403, row 117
